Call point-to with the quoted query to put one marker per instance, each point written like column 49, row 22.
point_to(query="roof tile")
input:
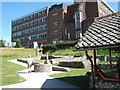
column 103, row 32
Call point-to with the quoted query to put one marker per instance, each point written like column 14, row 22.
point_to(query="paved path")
column 38, row 80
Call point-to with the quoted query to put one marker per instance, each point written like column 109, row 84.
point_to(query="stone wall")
column 42, row 67
column 57, row 68
column 101, row 84
column 24, row 60
column 78, row 64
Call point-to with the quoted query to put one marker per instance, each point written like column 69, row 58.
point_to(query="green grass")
column 9, row 70
column 75, row 77
column 18, row 52
column 40, row 61
column 66, row 52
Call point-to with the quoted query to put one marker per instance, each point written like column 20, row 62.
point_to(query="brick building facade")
column 59, row 22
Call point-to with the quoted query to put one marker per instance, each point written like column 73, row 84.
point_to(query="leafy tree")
column 2, row 43
column 18, row 45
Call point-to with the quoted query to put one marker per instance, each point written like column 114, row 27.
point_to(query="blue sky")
column 13, row 10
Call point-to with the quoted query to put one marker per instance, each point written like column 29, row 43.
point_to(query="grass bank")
column 17, row 52
column 66, row 52
column 9, row 70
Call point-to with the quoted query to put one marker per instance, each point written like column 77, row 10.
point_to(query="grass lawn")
column 40, row 61
column 9, row 70
column 75, row 77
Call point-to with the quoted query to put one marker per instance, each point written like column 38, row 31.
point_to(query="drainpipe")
column 92, row 73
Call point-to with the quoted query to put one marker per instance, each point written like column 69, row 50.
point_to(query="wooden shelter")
column 104, row 33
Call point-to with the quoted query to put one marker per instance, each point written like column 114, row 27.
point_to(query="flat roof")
column 29, row 14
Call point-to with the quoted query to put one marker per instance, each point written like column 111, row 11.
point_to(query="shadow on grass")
column 55, row 84
column 82, row 82
column 79, row 81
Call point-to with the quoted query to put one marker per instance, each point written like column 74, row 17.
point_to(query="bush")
column 18, row 45
column 60, row 45
column 64, row 45
column 48, row 47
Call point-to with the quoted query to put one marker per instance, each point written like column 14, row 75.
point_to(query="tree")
column 2, row 43
column 18, row 45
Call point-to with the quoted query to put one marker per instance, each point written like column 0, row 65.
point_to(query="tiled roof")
column 103, row 33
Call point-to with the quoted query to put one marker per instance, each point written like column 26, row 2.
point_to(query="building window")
column 78, row 35
column 55, row 14
column 78, row 20
column 68, row 36
column 44, row 19
column 55, row 31
column 55, row 41
column 66, row 31
column 55, row 23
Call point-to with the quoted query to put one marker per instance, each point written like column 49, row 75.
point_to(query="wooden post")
column 95, row 65
column 110, row 57
column 92, row 73
column 118, row 67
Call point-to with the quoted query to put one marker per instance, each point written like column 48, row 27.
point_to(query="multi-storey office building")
column 59, row 22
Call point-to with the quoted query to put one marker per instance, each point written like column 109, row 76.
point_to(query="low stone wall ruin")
column 77, row 64
column 42, row 68
column 57, row 68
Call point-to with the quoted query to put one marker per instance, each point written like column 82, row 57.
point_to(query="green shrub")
column 48, row 47
column 60, row 45
column 64, row 45
column 18, row 45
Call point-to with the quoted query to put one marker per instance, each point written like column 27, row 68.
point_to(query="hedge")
column 48, row 47
column 59, row 45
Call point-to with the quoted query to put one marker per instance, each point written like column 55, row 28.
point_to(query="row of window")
column 43, row 19
column 29, row 17
column 42, row 27
column 33, row 37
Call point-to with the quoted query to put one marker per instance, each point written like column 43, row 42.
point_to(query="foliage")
column 48, row 47
column 60, row 45
column 104, row 52
column 18, row 45
column 64, row 45
column 2, row 43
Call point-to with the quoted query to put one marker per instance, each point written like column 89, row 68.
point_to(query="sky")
column 13, row 10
